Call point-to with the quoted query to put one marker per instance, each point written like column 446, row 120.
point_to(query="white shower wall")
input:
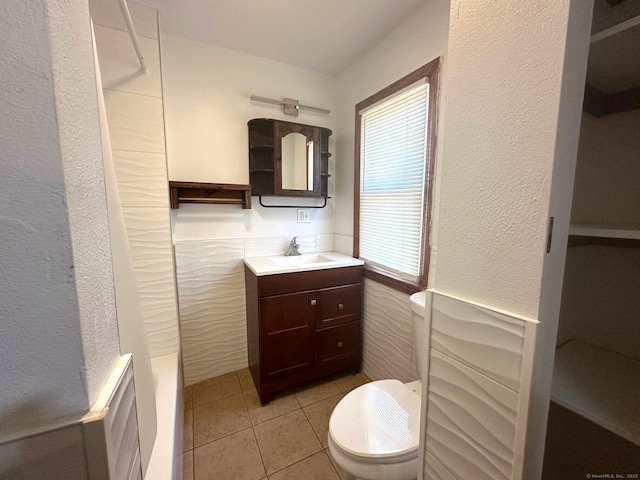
column 135, row 114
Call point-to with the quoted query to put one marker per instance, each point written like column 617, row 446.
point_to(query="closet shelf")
column 605, row 230
column 613, row 83
column 209, row 193
column 599, row 385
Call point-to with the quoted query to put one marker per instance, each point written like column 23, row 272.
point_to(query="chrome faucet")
column 293, row 248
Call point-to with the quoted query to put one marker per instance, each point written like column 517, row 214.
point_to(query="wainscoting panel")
column 212, row 307
column 471, row 421
column 387, row 333
column 489, row 342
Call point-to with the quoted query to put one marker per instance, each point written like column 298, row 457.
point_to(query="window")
column 395, row 149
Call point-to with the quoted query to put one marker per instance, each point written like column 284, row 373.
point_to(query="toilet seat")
column 378, row 422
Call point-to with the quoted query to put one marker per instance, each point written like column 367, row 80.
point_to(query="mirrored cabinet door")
column 288, row 159
column 296, row 147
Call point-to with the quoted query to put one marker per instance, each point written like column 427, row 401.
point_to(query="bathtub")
column 166, row 458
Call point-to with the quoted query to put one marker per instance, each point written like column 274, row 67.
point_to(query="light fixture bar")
column 289, row 106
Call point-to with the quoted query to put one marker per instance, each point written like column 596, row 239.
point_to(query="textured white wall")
column 58, row 332
column 207, row 93
column 81, row 148
column 503, row 78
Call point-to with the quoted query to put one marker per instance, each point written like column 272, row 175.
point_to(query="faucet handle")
column 293, row 242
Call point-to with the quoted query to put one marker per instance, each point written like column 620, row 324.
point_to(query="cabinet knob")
column 340, row 306
column 339, row 344
column 313, row 302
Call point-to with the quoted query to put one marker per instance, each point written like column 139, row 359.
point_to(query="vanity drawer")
column 338, row 305
column 337, row 343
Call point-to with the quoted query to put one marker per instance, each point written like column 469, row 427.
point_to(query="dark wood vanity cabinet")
column 302, row 326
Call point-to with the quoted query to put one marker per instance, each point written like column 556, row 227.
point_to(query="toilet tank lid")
column 417, row 302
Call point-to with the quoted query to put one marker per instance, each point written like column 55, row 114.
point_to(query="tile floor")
column 228, row 435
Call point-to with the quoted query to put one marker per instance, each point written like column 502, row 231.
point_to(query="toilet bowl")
column 374, row 431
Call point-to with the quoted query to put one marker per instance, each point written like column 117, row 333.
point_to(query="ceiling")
column 321, row 35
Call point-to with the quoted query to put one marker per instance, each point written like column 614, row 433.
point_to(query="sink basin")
column 276, row 264
column 308, row 259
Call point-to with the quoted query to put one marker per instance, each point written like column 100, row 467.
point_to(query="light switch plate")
column 304, row 215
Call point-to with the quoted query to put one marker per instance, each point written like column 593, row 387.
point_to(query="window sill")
column 392, row 280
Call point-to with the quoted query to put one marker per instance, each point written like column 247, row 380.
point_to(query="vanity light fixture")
column 290, row 106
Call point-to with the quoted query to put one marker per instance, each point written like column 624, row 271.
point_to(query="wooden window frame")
column 430, row 71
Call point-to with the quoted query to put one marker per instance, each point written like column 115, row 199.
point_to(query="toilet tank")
column 419, row 312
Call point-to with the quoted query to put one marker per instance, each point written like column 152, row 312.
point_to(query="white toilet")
column 374, row 430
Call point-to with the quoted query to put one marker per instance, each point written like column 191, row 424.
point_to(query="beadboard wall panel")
column 471, row 421
column 488, row 341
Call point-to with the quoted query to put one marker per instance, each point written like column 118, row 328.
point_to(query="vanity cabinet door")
column 338, row 305
column 287, row 331
column 338, row 343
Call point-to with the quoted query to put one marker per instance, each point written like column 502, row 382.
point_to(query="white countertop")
column 276, row 264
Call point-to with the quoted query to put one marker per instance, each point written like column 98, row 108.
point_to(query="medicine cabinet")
column 288, row 159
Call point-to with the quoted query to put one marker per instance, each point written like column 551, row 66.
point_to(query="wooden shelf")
column 599, row 385
column 605, row 230
column 613, row 81
column 209, row 193
column 615, row 235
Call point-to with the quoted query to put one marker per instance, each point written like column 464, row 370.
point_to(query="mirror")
column 297, row 162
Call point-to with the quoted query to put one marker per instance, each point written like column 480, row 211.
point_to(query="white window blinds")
column 392, row 180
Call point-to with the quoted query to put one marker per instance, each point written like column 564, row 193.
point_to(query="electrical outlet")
column 304, row 216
